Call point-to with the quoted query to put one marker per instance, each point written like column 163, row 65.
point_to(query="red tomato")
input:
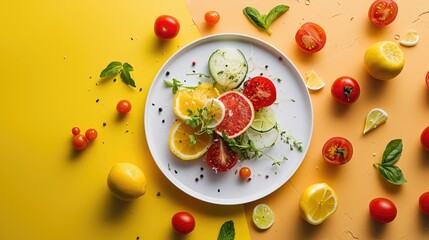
column 424, row 138
column 382, row 210
column 427, row 79
column 123, row 107
column 260, row 91
column 345, row 90
column 310, row 37
column 183, row 222
column 75, row 131
column 91, row 134
column 166, row 27
column 220, row 157
column 212, row 17
column 383, row 12
column 245, row 172
column 80, row 142
column 337, row 151
column 424, row 203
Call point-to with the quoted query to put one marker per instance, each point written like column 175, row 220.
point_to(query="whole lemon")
column 384, row 60
column 126, row 181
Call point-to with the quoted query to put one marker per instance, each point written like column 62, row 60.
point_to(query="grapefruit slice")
column 239, row 114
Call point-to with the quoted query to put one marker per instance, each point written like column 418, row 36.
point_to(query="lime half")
column 265, row 120
column 263, row 216
column 374, row 118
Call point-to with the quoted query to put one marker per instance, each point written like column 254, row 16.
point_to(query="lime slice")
column 265, row 120
column 410, row 39
column 215, row 112
column 261, row 140
column 263, row 216
column 313, row 81
column 374, row 118
column 317, row 203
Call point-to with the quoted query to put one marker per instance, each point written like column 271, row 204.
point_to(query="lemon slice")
column 374, row 118
column 317, row 203
column 264, row 120
column 263, row 216
column 313, row 81
column 410, row 39
column 215, row 112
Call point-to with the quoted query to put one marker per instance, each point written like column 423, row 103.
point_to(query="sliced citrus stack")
column 239, row 114
column 215, row 112
column 263, row 216
column 384, row 60
column 313, row 81
column 410, row 39
column 374, row 118
column 317, row 203
column 185, row 144
column 205, row 91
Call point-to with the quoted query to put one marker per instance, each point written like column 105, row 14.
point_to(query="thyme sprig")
column 176, row 84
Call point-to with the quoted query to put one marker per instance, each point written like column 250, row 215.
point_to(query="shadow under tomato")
column 376, row 229
column 424, row 156
column 423, row 220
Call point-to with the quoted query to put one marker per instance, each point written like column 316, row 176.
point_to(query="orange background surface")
column 53, row 51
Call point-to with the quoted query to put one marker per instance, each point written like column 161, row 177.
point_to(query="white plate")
column 293, row 110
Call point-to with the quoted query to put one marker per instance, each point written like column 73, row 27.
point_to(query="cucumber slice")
column 261, row 140
column 228, row 67
column 264, row 120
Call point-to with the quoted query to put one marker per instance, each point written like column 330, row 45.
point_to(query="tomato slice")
column 260, row 91
column 337, row 151
column 383, row 12
column 220, row 157
column 310, row 37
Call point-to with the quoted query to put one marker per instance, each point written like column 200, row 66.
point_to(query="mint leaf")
column 392, row 174
column 114, row 68
column 227, row 231
column 393, row 152
column 111, row 70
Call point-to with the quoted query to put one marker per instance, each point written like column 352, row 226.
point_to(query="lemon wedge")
column 317, row 203
column 263, row 216
column 374, row 118
column 410, row 39
column 313, row 81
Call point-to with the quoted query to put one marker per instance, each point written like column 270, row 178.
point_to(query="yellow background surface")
column 405, row 99
column 52, row 53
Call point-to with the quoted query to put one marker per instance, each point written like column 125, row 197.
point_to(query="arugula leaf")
column 388, row 170
column 264, row 21
column 227, row 231
column 114, row 68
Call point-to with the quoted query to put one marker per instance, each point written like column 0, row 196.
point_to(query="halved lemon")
column 384, row 60
column 185, row 144
column 374, row 118
column 263, row 216
column 313, row 81
column 215, row 112
column 317, row 203
column 410, row 39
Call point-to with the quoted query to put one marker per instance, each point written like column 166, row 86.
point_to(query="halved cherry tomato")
column 427, row 79
column 261, row 91
column 166, row 27
column 212, row 17
column 220, row 157
column 337, row 151
column 183, row 222
column 382, row 210
column 424, row 138
column 245, row 172
column 310, row 37
column 383, row 12
column 424, row 203
column 345, row 90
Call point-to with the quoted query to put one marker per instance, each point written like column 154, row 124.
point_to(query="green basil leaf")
column 227, row 231
column 127, row 67
column 392, row 174
column 392, row 153
column 126, row 78
column 111, row 70
column 255, row 17
column 275, row 13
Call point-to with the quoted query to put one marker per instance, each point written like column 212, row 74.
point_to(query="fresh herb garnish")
column 176, row 85
column 391, row 155
column 227, row 231
column 263, row 21
column 291, row 141
column 200, row 118
column 114, row 68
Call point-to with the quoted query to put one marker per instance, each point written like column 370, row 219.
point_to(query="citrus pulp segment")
column 410, row 39
column 317, row 203
column 215, row 112
column 264, row 120
column 239, row 114
column 384, row 60
column 206, row 91
column 185, row 144
column 313, row 81
column 263, row 216
column 374, row 118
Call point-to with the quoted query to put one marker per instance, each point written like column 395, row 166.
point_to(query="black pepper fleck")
column 104, row 124
column 280, row 58
column 158, row 194
column 141, row 89
column 236, row 171
column 163, row 121
column 160, row 109
column 167, row 73
column 126, row 131
column 261, row 74
column 249, row 179
column 97, row 100
column 201, row 176
column 266, row 66
column 132, row 39
column 267, row 176
column 218, row 190
column 196, row 179
column 114, row 80
column 193, row 63
column 137, row 236
column 201, row 168
column 175, row 171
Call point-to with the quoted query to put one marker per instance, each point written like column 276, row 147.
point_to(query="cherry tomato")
column 220, row 157
column 424, row 203
column 183, row 222
column 91, row 134
column 212, row 17
column 345, row 90
column 382, row 210
column 260, row 91
column 424, row 138
column 337, row 151
column 75, row 131
column 245, row 172
column 80, row 142
column 382, row 12
column 166, row 27
column 427, row 79
column 123, row 106
column 310, row 37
